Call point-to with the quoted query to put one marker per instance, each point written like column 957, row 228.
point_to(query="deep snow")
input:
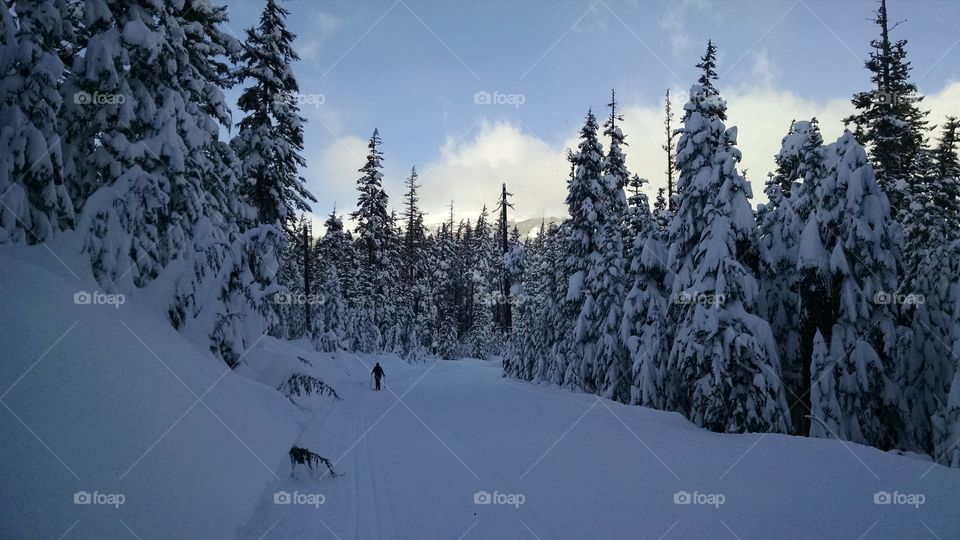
column 104, row 399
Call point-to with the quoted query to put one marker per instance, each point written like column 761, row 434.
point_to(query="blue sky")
column 413, row 69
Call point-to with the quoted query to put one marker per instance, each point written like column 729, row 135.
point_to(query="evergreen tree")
column 644, row 322
column 708, row 75
column 34, row 200
column 724, row 360
column 270, row 140
column 947, row 193
column 854, row 243
column 585, row 191
column 889, row 120
column 374, row 230
column 826, row 414
column 798, row 165
column 484, row 279
column 670, row 148
column 503, row 310
column 605, row 278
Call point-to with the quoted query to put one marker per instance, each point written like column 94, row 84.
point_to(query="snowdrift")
column 113, row 423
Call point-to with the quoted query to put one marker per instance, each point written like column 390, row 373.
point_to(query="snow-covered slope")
column 110, row 400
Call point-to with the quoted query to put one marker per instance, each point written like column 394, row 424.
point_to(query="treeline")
column 391, row 285
column 831, row 311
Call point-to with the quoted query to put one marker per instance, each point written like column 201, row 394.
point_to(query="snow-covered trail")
column 412, row 458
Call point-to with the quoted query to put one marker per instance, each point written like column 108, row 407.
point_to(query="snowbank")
column 103, row 402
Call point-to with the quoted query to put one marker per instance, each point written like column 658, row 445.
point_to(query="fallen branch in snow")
column 299, row 384
column 304, row 361
column 307, row 458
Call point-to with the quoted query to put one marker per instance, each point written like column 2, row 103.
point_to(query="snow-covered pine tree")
column 724, row 360
column 290, row 300
column 859, row 250
column 484, row 276
column 661, row 209
column 826, row 418
column 414, row 289
column 34, row 200
column 638, row 212
column 516, row 353
column 443, row 265
column 503, row 311
column 924, row 365
column 948, row 168
column 889, row 120
column 374, row 229
column 946, row 421
column 643, row 327
column 337, row 247
column 330, row 311
column 143, row 137
column 396, row 315
column 550, row 365
column 798, row 165
column 586, row 194
column 605, row 279
column 142, row 155
column 270, row 140
column 708, row 75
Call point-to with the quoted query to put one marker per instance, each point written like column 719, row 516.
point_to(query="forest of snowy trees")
column 832, row 310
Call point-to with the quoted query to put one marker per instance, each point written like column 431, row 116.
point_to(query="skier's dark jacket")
column 377, row 371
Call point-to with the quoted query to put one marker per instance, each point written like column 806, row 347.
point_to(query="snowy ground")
column 413, row 457
column 110, row 401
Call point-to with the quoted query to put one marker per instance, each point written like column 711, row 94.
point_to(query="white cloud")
column 470, row 171
column 944, row 103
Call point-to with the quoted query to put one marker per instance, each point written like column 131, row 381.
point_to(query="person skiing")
column 377, row 374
